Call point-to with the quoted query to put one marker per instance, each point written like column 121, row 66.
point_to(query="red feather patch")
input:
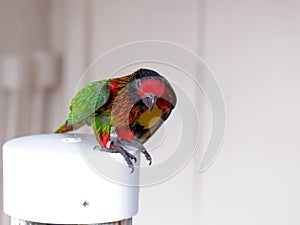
column 155, row 87
column 125, row 133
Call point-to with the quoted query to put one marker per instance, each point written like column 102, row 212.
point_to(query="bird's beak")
column 149, row 100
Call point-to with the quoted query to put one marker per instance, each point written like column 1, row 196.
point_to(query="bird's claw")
column 117, row 149
column 131, row 167
column 127, row 156
column 148, row 157
column 132, row 157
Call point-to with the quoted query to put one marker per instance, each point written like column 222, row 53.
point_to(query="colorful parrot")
column 131, row 108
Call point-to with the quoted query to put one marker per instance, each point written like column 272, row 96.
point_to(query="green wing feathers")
column 84, row 104
column 87, row 101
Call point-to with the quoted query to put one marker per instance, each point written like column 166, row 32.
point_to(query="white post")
column 61, row 179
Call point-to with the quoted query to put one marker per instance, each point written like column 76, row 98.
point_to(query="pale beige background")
column 253, row 49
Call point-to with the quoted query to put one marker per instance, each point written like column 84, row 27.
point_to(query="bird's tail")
column 64, row 127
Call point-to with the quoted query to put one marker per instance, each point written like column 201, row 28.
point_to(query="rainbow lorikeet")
column 130, row 108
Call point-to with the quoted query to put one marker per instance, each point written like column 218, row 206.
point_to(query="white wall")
column 253, row 48
column 20, row 35
column 120, row 22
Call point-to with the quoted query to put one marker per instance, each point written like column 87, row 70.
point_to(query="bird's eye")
column 138, row 84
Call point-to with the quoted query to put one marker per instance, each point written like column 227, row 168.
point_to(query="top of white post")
column 48, row 179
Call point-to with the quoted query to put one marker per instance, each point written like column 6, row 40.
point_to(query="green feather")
column 87, row 101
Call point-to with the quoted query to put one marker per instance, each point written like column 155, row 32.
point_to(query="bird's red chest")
column 125, row 133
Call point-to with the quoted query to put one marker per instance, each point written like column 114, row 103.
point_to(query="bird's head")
column 149, row 85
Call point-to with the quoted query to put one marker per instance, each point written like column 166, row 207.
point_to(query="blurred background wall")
column 253, row 49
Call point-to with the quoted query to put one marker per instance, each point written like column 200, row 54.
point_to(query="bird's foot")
column 127, row 156
column 139, row 147
column 117, row 149
column 147, row 155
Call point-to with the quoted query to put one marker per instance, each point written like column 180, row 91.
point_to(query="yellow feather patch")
column 150, row 119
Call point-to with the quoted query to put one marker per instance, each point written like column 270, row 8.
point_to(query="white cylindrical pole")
column 50, row 179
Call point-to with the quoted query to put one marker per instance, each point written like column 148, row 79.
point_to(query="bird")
column 130, row 108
